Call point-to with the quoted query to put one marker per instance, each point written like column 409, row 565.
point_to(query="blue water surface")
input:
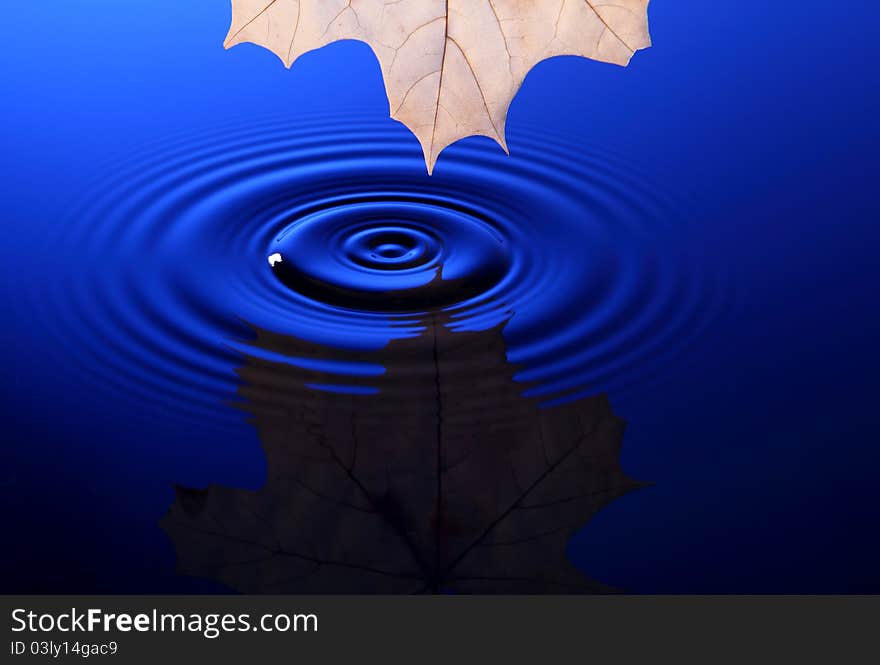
column 695, row 235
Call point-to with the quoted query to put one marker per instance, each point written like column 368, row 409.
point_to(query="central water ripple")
column 330, row 231
column 390, row 252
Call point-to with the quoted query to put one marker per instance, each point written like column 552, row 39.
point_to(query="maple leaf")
column 451, row 67
column 436, row 475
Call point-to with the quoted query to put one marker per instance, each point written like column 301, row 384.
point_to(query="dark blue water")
column 695, row 236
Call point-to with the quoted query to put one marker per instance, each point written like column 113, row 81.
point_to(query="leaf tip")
column 502, row 141
column 430, row 160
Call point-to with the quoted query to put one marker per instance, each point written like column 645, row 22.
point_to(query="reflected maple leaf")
column 435, row 475
column 451, row 67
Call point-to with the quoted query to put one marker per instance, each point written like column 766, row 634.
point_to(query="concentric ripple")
column 330, row 231
column 389, row 252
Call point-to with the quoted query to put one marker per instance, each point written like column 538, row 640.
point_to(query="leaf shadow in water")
column 434, row 476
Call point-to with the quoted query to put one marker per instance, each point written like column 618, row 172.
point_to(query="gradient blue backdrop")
column 763, row 444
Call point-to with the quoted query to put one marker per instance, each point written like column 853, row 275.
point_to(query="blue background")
column 762, row 441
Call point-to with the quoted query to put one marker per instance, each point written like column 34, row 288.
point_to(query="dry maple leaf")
column 446, row 479
column 451, row 67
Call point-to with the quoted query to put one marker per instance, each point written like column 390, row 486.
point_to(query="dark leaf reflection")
column 434, row 475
